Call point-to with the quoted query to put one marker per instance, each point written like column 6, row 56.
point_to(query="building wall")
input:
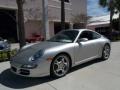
column 51, row 28
column 8, row 4
column 79, row 7
column 54, row 10
column 33, row 9
column 73, row 8
column 33, row 12
column 32, row 27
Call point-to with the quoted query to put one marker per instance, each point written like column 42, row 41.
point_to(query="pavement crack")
column 52, row 86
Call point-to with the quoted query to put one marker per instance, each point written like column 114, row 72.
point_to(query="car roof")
column 80, row 30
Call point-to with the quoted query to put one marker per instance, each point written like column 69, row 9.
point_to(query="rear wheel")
column 105, row 52
column 60, row 66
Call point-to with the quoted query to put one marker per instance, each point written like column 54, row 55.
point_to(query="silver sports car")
column 57, row 55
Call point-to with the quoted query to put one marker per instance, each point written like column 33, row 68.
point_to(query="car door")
column 86, row 50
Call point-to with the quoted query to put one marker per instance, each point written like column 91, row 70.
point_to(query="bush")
column 6, row 55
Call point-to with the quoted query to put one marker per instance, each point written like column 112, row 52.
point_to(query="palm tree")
column 62, row 14
column 21, row 22
column 110, row 5
column 117, row 7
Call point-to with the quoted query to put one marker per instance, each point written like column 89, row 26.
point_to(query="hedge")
column 6, row 55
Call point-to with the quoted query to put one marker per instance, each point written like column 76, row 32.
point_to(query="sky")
column 94, row 9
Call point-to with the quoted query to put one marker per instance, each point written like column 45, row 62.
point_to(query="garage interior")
column 104, row 31
column 8, row 25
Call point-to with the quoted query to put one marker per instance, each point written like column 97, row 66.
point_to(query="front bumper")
column 43, row 69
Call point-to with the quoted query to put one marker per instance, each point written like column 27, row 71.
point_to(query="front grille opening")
column 14, row 69
column 24, row 72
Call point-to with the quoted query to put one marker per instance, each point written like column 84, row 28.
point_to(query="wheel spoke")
column 58, row 70
column 63, row 71
column 64, row 62
column 57, row 62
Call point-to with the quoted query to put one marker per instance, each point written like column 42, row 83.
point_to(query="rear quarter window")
column 96, row 35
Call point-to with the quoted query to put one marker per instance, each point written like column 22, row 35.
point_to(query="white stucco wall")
column 33, row 12
column 79, row 7
column 33, row 8
column 31, row 27
column 51, row 28
column 8, row 4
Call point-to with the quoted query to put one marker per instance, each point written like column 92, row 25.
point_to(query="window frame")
column 91, row 32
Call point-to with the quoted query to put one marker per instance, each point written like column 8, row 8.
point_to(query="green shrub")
column 5, row 55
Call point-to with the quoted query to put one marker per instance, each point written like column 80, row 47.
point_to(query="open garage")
column 8, row 26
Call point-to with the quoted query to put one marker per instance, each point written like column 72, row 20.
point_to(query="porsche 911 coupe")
column 57, row 55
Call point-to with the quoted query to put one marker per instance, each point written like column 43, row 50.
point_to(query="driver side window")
column 86, row 34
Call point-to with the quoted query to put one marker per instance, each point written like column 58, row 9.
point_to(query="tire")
column 60, row 66
column 106, row 52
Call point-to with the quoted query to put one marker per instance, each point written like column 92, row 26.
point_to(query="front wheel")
column 105, row 52
column 60, row 66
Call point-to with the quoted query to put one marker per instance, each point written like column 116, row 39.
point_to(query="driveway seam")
column 52, row 86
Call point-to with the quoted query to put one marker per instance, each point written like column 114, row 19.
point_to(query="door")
column 86, row 50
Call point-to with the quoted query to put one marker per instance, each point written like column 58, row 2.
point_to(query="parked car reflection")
column 4, row 45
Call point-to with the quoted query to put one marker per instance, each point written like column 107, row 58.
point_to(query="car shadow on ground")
column 11, row 80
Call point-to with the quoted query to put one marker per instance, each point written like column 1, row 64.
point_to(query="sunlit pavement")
column 14, row 46
column 95, row 75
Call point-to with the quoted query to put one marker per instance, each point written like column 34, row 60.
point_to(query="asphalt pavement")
column 94, row 75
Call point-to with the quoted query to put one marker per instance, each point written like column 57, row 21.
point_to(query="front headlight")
column 29, row 66
column 32, row 58
column 36, row 56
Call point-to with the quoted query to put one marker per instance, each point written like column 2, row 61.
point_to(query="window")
column 65, row 36
column 89, row 35
column 96, row 35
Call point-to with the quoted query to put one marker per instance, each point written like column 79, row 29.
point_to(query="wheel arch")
column 108, row 45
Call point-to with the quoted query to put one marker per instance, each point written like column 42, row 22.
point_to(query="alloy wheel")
column 106, row 52
column 60, row 66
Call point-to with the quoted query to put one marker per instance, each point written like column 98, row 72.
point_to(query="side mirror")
column 82, row 40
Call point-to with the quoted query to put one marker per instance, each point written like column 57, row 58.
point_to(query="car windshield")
column 65, row 36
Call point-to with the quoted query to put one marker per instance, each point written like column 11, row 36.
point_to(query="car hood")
column 23, row 55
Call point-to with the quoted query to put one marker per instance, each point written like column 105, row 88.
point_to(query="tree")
column 21, row 28
column 117, row 8
column 110, row 4
column 62, row 14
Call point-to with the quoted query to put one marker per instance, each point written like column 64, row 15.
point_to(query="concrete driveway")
column 94, row 75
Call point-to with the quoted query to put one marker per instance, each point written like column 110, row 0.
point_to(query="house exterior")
column 101, row 24
column 33, row 14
